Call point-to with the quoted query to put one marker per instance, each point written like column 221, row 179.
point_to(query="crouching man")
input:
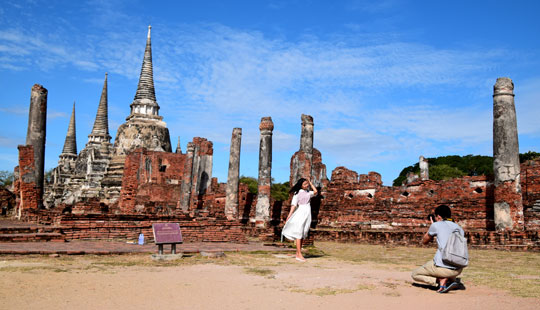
column 435, row 272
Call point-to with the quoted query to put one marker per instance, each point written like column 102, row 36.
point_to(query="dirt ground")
column 236, row 281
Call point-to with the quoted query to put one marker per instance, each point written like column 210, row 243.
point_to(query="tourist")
column 435, row 272
column 299, row 218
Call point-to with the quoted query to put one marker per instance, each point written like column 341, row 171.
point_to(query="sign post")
column 167, row 233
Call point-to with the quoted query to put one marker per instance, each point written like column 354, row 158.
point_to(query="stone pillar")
column 508, row 204
column 411, row 177
column 307, row 162
column 195, row 172
column 185, row 195
column 231, row 202
column 262, row 209
column 302, row 161
column 206, row 162
column 202, row 166
column 37, row 128
column 424, row 168
column 306, row 138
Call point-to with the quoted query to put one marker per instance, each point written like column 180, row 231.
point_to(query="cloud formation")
column 374, row 98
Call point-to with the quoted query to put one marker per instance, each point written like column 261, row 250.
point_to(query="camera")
column 431, row 217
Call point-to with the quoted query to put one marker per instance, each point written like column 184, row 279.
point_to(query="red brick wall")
column 530, row 182
column 28, row 191
column 7, row 202
column 360, row 201
column 508, row 240
column 122, row 226
column 153, row 180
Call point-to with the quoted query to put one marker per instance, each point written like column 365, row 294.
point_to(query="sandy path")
column 212, row 286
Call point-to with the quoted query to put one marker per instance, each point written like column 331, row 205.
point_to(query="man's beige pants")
column 429, row 273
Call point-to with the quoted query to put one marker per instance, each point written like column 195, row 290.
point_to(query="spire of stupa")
column 70, row 145
column 145, row 103
column 178, row 147
column 100, row 131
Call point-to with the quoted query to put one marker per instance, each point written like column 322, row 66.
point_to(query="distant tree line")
column 278, row 191
column 454, row 166
column 6, row 178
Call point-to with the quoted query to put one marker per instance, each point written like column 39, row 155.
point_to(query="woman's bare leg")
column 299, row 248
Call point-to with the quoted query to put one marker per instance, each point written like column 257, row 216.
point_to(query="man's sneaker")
column 460, row 286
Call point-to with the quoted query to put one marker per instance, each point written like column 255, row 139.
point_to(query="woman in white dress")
column 299, row 219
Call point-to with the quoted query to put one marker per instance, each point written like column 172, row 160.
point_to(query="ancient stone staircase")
column 113, row 177
column 16, row 231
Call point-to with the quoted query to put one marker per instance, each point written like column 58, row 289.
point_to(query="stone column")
column 262, row 210
column 306, row 138
column 424, row 168
column 195, row 170
column 206, row 161
column 187, row 178
column 508, row 204
column 302, row 161
column 37, row 128
column 202, row 166
column 231, row 202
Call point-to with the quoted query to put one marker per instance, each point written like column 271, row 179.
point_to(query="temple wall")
column 151, row 182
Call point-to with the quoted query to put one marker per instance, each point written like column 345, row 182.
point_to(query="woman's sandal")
column 442, row 289
column 303, row 260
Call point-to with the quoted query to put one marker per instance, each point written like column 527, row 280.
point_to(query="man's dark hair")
column 443, row 211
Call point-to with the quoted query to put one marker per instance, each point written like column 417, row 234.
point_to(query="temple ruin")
column 110, row 191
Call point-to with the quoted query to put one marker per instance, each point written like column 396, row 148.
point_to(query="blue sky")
column 386, row 81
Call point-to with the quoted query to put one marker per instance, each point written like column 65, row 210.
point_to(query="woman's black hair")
column 297, row 187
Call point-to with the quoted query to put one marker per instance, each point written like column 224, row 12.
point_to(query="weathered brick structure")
column 26, row 184
column 7, row 202
column 307, row 161
column 118, row 191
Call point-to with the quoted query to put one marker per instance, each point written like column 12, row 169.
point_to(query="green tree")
column 49, row 176
column 280, row 191
column 528, row 156
column 403, row 174
column 251, row 182
column 445, row 172
column 463, row 165
column 6, row 178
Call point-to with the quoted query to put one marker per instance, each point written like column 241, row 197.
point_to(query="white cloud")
column 43, row 51
column 53, row 115
column 472, row 124
column 10, row 142
column 366, row 97
column 15, row 110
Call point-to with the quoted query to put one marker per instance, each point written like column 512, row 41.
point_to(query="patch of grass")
column 312, row 252
column 260, row 271
column 31, row 269
column 514, row 272
column 361, row 253
column 327, row 290
column 392, row 294
column 389, row 285
column 251, row 259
